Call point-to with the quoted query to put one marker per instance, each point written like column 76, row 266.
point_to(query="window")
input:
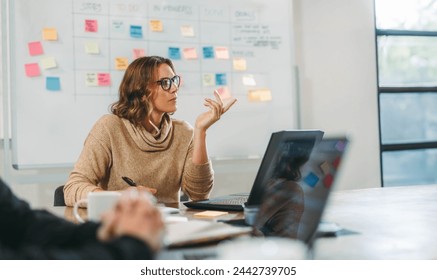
column 406, row 39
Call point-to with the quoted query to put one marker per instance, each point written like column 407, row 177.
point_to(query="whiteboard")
column 61, row 84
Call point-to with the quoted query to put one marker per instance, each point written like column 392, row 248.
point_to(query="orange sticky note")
column 260, row 95
column 50, row 34
column 210, row 214
column 121, row 63
column 104, row 79
column 91, row 25
column 35, row 48
column 156, row 25
column 239, row 64
column 32, row 69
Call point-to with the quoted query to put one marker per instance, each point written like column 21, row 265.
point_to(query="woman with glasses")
column 140, row 140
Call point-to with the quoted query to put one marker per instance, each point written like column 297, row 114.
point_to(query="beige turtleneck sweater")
column 116, row 148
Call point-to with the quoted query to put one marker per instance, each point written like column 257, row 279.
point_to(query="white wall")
column 336, row 58
column 335, row 53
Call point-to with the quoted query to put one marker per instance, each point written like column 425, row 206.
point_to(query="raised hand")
column 216, row 109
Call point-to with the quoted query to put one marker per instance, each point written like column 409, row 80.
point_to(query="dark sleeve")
column 32, row 234
column 123, row 248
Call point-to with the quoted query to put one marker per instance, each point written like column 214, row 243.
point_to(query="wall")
column 335, row 53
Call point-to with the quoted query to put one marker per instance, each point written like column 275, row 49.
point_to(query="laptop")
column 275, row 147
column 293, row 203
column 294, row 200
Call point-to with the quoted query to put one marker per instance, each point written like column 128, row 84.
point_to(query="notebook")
column 275, row 147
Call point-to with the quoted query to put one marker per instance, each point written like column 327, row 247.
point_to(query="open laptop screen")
column 283, row 146
column 296, row 195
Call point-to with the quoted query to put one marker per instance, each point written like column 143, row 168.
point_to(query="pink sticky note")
column 32, row 69
column 222, row 53
column 224, row 92
column 91, row 25
column 138, row 53
column 35, row 48
column 104, row 79
column 190, row 53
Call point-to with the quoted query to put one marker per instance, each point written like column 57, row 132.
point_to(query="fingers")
column 229, row 104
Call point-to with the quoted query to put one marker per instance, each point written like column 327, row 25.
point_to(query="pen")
column 129, row 181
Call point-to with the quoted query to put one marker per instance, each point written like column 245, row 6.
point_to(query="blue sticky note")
column 311, row 179
column 174, row 53
column 53, row 83
column 220, row 79
column 136, row 31
column 208, row 52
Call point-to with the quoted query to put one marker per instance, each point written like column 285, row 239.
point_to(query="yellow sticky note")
column 240, row 64
column 259, row 95
column 156, row 25
column 48, row 62
column 92, row 48
column 324, row 166
column 91, row 79
column 221, row 53
column 210, row 214
column 121, row 63
column 190, row 53
column 208, row 79
column 187, row 31
column 50, row 34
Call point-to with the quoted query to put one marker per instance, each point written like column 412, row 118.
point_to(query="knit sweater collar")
column 146, row 140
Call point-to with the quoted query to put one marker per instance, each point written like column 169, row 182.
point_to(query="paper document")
column 195, row 232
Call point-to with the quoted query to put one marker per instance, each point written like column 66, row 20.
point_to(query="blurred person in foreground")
column 131, row 230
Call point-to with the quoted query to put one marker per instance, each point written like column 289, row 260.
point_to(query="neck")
column 154, row 119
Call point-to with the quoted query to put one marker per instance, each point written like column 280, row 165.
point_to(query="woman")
column 140, row 141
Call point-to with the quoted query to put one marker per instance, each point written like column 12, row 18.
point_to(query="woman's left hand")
column 217, row 109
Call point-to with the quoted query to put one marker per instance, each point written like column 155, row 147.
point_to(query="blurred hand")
column 217, row 109
column 134, row 215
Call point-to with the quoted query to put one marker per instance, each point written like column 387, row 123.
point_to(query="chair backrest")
column 59, row 196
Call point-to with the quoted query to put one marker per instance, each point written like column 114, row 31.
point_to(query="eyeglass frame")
column 172, row 81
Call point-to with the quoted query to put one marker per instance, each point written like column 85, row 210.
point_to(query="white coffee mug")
column 97, row 204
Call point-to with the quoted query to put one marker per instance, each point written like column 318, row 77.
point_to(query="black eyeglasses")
column 166, row 83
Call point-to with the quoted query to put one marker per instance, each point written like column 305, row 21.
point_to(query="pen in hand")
column 129, row 181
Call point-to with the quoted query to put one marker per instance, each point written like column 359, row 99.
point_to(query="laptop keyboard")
column 231, row 201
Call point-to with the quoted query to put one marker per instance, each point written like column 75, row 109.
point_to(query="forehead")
column 164, row 71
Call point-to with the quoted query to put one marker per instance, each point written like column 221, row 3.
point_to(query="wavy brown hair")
column 134, row 93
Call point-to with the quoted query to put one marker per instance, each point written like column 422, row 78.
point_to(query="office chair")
column 59, row 196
